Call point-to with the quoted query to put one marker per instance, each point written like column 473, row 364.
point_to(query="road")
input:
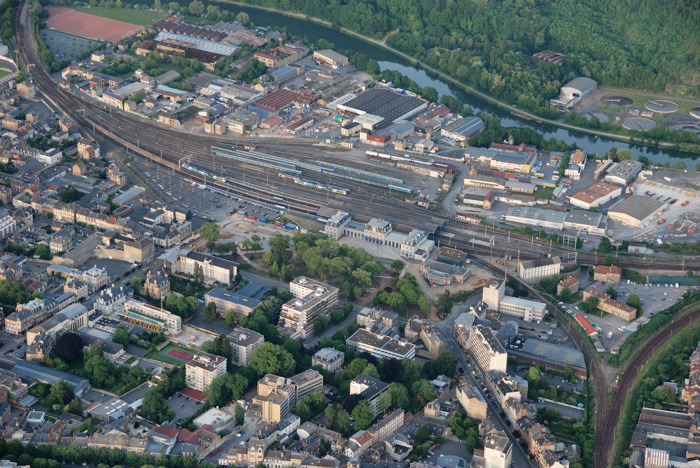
column 445, row 329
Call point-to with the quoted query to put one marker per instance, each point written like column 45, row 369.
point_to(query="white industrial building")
column 572, row 92
column 493, row 295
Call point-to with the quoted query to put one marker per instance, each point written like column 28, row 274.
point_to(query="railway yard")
column 250, row 185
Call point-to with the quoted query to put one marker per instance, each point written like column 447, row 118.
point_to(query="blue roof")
column 50, row 376
column 170, row 89
column 253, row 290
column 233, row 297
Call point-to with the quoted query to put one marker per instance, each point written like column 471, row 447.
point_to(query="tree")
column 213, row 12
column 612, row 292
column 173, row 7
column 269, row 358
column 399, row 395
column 320, row 325
column 198, row 273
column 157, row 5
column 569, row 373
column 243, row 18
column 424, row 389
column 231, row 318
column 565, row 294
column 239, row 414
column 136, row 284
column 604, row 246
column 61, row 393
column 397, row 266
column 121, row 336
column 447, row 363
column 209, row 312
column 589, row 305
column 362, row 415
column 75, row 407
column 681, row 166
column 609, row 260
column 634, row 301
column 196, row 8
column 220, row 346
column 209, row 231
column 422, row 434
column 69, row 347
column 155, row 406
column 624, row 154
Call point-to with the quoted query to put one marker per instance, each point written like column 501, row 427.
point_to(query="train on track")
column 394, row 157
column 204, row 173
column 313, row 184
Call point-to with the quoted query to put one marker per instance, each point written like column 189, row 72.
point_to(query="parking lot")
column 183, row 406
column 65, row 46
column 653, row 298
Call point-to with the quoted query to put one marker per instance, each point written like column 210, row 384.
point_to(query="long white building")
column 493, row 295
column 381, row 346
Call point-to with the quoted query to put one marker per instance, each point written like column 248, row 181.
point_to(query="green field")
column 127, row 15
column 162, row 355
column 4, row 72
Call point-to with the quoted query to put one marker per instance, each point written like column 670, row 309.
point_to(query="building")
column 443, row 273
column 493, row 295
column 623, row 172
column 112, row 300
column 549, row 355
column 373, row 318
column 330, row 58
column 202, row 369
column 461, row 129
column 225, row 300
column 572, row 92
column 472, row 401
column 277, row 396
column 381, row 346
column 150, row 318
column 243, row 343
column 214, row 269
column 498, row 450
column 486, row 350
column 311, row 300
column 620, row 310
column 157, row 284
column 8, row 226
column 534, row 270
column 636, row 211
column 369, row 389
column 329, row 359
column 306, row 383
column 50, row 376
column 387, row 104
column 595, row 195
column 607, row 274
column 570, row 282
column 579, row 158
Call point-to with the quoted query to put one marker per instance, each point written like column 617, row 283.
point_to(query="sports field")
column 127, row 15
column 173, row 354
column 88, row 25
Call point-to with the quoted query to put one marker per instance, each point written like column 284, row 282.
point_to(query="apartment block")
column 311, row 300
column 534, row 270
column 243, row 343
column 151, row 318
column 202, row 369
column 486, row 350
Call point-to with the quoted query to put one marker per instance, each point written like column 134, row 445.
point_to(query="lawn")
column 543, row 192
column 4, row 72
column 127, row 15
column 162, row 355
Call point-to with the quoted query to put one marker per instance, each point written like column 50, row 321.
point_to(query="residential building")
column 534, row 270
column 157, row 284
column 225, row 300
column 369, row 318
column 202, row 369
column 381, row 346
column 570, row 282
column 369, row 389
column 472, row 401
column 151, row 318
column 307, row 382
column 620, row 310
column 112, row 300
column 486, row 350
column 312, row 299
column 214, row 269
column 498, row 450
column 243, row 343
column 329, row 359
column 607, row 274
column 493, row 295
column 8, row 225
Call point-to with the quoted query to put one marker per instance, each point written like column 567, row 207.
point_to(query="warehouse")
column 636, row 211
column 519, row 162
column 462, row 129
column 595, row 195
column 590, row 221
column 573, row 91
column 549, row 355
column 537, row 217
column 330, row 58
column 385, row 103
column 623, row 172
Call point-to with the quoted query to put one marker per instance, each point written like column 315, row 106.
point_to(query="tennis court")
column 180, row 354
column 173, row 354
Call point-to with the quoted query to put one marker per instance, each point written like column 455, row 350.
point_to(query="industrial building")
column 534, row 270
column 595, row 195
column 461, row 129
column 330, row 58
column 202, row 369
column 636, row 211
column 572, row 92
column 381, row 346
column 386, row 103
column 623, row 172
column 493, row 295
column 549, row 355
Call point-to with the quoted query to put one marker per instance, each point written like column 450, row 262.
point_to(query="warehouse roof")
column 554, row 352
column 594, row 192
column 385, row 103
column 637, row 206
column 581, row 84
column 465, row 127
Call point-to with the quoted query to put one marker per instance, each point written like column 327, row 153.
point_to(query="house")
column 607, row 274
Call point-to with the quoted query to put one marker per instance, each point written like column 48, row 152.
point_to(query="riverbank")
column 511, row 109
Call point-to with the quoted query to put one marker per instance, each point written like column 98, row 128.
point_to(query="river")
column 388, row 60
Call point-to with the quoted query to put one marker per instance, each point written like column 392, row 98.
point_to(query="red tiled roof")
column 192, row 393
column 586, row 324
column 605, row 270
column 167, row 431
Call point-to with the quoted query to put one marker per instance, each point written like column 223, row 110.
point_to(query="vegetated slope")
column 651, row 45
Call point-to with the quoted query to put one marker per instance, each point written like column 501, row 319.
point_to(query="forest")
column 488, row 44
